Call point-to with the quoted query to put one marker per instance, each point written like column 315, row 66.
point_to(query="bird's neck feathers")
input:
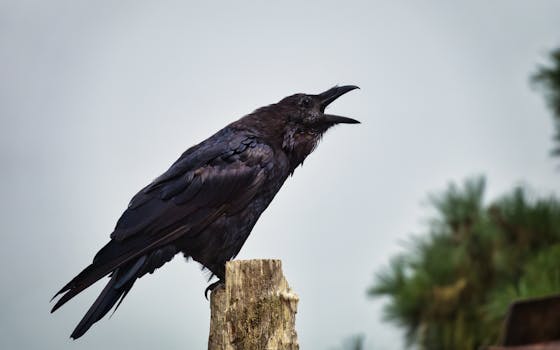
column 296, row 141
column 266, row 123
column 273, row 123
column 298, row 144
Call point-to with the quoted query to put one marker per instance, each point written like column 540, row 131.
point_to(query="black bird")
column 207, row 203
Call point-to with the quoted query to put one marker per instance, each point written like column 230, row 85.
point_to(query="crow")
column 207, row 203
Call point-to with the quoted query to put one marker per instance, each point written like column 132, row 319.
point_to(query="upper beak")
column 332, row 94
column 329, row 96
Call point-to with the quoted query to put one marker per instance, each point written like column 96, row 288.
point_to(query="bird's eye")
column 305, row 102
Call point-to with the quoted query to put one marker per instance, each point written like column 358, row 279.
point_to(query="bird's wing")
column 198, row 187
column 217, row 177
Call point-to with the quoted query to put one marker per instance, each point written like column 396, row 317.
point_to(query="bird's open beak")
column 329, row 96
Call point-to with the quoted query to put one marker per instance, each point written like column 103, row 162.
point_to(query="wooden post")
column 255, row 310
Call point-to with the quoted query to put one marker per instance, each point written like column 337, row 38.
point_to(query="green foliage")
column 451, row 289
column 548, row 78
column 354, row 342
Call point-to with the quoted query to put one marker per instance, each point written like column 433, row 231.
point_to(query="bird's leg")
column 220, row 272
column 213, row 286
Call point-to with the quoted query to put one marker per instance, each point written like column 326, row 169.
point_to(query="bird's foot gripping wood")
column 213, row 286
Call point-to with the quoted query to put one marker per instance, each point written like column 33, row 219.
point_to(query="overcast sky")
column 97, row 98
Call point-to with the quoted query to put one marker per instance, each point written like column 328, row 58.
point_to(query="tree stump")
column 255, row 310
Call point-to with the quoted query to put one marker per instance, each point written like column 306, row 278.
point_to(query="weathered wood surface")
column 255, row 310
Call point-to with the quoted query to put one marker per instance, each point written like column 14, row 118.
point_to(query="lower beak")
column 336, row 119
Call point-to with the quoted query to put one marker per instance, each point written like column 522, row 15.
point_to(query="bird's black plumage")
column 208, row 201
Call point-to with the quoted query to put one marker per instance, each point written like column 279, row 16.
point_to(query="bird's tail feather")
column 109, row 259
column 122, row 280
column 84, row 279
column 124, row 263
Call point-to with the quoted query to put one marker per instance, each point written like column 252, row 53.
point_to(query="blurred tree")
column 548, row 78
column 354, row 342
column 451, row 288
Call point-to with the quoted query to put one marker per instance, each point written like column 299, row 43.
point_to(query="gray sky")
column 97, row 98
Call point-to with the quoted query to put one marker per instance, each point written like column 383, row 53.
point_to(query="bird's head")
column 307, row 112
column 306, row 120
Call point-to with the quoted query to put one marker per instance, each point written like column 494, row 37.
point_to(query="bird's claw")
column 211, row 287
